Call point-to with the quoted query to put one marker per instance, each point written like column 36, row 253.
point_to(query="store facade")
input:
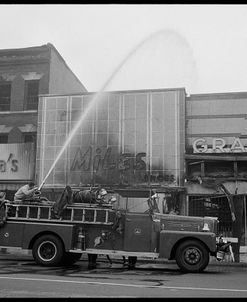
column 24, row 74
column 216, row 160
column 128, row 141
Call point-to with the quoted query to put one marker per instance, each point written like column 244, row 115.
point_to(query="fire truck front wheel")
column 48, row 250
column 192, row 256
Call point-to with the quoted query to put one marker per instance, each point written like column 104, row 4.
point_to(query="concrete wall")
column 41, row 63
column 18, row 65
column 18, row 119
column 62, row 79
column 212, row 116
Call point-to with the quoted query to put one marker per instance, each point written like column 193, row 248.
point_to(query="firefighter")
column 69, row 197
column 89, row 196
column 26, row 192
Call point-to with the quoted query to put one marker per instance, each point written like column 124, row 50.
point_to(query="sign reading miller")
column 218, row 145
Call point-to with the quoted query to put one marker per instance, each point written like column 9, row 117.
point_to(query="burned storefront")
column 216, row 160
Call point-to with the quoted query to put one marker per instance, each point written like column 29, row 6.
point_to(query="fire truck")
column 106, row 230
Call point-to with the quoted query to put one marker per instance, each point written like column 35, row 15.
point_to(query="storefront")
column 127, row 141
column 216, row 160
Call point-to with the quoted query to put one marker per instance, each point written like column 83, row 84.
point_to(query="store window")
column 31, row 94
column 5, row 96
column 219, row 169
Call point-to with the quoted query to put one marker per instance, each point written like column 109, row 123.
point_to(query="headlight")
column 210, row 224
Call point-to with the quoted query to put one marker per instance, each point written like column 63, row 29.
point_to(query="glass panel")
column 114, row 106
column 141, row 106
column 129, row 106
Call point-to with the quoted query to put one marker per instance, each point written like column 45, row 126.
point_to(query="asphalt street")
column 20, row 276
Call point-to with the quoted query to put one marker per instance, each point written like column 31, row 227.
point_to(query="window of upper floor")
column 3, row 138
column 5, row 96
column 30, row 137
column 31, row 95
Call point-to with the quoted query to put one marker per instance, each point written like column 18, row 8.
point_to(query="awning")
column 220, row 157
column 28, row 128
column 5, row 129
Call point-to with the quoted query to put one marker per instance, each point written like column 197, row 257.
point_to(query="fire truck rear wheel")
column 192, row 256
column 48, row 250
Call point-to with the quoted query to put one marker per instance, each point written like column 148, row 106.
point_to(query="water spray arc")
column 98, row 95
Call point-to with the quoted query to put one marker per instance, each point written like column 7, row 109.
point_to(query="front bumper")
column 224, row 247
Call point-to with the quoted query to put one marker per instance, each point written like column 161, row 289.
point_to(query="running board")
column 116, row 253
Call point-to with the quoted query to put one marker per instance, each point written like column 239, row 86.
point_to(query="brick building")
column 26, row 73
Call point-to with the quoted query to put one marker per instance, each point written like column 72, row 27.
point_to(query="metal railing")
column 75, row 214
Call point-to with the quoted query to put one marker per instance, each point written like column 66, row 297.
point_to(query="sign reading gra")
column 218, row 145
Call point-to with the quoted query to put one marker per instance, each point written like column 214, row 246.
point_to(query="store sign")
column 218, row 145
column 17, row 161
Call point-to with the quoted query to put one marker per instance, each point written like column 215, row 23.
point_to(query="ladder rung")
column 6, row 210
column 38, row 215
column 95, row 216
column 28, row 212
column 16, row 212
column 106, row 216
column 83, row 215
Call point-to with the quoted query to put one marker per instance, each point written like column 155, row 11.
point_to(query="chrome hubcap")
column 192, row 255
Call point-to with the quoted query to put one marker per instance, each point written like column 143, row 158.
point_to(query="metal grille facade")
column 206, row 205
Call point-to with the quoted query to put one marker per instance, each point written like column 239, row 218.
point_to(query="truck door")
column 11, row 234
column 137, row 234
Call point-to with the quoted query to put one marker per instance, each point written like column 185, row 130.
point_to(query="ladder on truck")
column 75, row 213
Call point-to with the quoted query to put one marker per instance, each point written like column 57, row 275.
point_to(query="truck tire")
column 48, row 250
column 192, row 256
column 70, row 258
